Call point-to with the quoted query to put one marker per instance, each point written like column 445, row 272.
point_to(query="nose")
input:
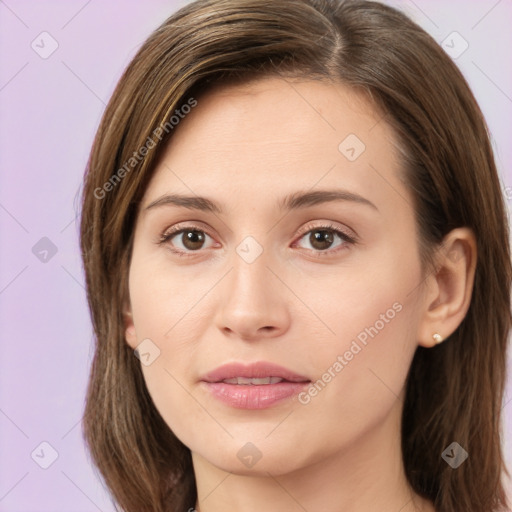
column 252, row 301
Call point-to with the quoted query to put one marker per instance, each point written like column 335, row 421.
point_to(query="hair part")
column 454, row 391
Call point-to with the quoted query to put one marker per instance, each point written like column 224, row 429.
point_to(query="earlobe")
column 449, row 288
column 129, row 329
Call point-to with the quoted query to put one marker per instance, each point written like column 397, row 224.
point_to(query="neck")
column 366, row 476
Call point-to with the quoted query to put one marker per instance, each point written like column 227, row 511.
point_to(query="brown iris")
column 322, row 237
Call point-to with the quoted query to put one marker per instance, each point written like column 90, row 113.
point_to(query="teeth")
column 255, row 382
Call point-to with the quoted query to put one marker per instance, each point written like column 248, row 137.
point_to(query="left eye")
column 321, row 238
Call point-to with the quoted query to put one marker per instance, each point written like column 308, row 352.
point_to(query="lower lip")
column 254, row 396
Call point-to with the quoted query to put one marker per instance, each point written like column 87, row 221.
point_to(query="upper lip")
column 256, row 370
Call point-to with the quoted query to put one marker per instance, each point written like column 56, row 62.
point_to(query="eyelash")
column 178, row 229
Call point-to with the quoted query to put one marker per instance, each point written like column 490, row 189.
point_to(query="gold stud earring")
column 437, row 338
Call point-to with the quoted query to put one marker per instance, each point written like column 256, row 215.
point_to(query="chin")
column 275, row 464
column 242, row 457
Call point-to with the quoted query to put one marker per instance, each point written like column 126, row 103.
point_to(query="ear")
column 449, row 288
column 129, row 327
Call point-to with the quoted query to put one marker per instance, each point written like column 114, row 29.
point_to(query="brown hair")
column 454, row 390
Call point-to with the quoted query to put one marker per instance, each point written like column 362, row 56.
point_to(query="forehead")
column 277, row 134
column 275, row 110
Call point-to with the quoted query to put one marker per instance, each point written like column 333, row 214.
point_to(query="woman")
column 298, row 270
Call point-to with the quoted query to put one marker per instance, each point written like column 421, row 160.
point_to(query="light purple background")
column 49, row 111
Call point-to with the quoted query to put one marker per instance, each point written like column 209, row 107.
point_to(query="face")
column 324, row 286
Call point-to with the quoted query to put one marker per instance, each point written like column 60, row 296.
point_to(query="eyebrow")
column 294, row 201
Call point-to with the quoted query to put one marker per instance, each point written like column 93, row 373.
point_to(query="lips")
column 254, row 386
column 244, row 381
column 259, row 370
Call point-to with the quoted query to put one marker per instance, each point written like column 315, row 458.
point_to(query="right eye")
column 189, row 239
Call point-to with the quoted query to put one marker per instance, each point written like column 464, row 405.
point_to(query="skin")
column 245, row 147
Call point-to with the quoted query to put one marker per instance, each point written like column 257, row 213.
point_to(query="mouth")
column 244, row 381
column 254, row 386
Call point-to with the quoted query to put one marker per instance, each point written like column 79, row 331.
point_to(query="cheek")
column 169, row 391
column 164, row 297
column 166, row 306
column 361, row 368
